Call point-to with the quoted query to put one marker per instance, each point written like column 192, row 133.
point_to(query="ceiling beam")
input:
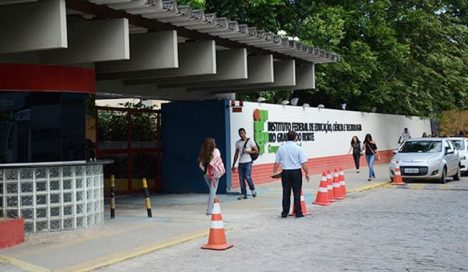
column 102, row 11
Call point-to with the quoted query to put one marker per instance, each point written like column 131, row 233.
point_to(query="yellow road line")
column 369, row 187
column 22, row 265
column 417, row 186
column 125, row 255
column 445, row 186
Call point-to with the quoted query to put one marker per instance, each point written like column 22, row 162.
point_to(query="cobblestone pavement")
column 419, row 227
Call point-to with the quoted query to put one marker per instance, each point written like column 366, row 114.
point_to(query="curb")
column 22, row 265
column 125, row 255
column 368, row 187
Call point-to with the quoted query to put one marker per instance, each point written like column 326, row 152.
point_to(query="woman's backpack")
column 216, row 167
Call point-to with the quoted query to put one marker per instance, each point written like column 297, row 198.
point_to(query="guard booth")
column 60, row 51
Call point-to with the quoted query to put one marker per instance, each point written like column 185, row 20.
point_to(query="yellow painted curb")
column 445, row 186
column 22, row 265
column 368, row 187
column 122, row 256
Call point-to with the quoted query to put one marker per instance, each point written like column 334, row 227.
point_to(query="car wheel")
column 443, row 178
column 457, row 175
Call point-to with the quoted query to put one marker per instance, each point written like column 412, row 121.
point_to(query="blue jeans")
column 370, row 161
column 213, row 186
column 245, row 173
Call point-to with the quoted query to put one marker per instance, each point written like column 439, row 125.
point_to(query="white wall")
column 384, row 128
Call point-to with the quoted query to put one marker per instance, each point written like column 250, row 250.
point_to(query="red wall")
column 34, row 77
column 11, row 232
column 262, row 173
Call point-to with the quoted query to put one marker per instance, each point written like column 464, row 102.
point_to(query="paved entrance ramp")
column 176, row 219
column 130, row 234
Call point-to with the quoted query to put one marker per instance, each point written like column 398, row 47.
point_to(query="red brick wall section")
column 11, row 232
column 261, row 173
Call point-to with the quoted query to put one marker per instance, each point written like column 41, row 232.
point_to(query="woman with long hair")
column 208, row 152
column 356, row 148
column 371, row 154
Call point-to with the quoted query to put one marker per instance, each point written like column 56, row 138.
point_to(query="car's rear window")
column 458, row 144
column 421, row 147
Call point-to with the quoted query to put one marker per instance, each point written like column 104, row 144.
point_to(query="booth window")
column 41, row 126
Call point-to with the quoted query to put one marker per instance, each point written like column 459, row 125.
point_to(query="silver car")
column 461, row 145
column 426, row 158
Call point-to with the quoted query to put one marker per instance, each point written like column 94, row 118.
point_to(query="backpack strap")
column 246, row 141
column 245, row 145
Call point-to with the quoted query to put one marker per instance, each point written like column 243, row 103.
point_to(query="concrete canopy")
column 155, row 48
column 35, row 26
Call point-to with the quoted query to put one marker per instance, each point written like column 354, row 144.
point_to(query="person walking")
column 356, row 148
column 372, row 154
column 244, row 147
column 291, row 158
column 207, row 157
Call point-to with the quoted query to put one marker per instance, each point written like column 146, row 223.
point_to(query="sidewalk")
column 177, row 218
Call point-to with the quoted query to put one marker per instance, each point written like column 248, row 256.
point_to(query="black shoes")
column 297, row 216
column 242, row 197
column 254, row 194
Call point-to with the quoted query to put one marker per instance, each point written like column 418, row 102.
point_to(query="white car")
column 461, row 145
column 426, row 158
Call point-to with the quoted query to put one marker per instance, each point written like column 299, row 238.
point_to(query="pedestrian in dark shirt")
column 356, row 148
column 372, row 154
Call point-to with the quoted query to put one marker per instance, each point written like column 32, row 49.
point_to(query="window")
column 421, row 147
column 458, row 144
column 41, row 126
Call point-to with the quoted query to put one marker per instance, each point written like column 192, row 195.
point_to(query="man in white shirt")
column 405, row 135
column 244, row 147
column 292, row 158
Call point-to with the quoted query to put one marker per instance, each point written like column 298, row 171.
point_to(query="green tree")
column 404, row 57
column 113, row 125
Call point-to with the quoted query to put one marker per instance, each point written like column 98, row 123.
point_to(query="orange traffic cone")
column 331, row 194
column 397, row 179
column 343, row 183
column 217, row 239
column 336, row 186
column 322, row 194
column 304, row 209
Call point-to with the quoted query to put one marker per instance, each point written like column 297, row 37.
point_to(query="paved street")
column 418, row 227
column 386, row 229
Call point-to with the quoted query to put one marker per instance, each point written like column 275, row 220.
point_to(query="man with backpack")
column 246, row 148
